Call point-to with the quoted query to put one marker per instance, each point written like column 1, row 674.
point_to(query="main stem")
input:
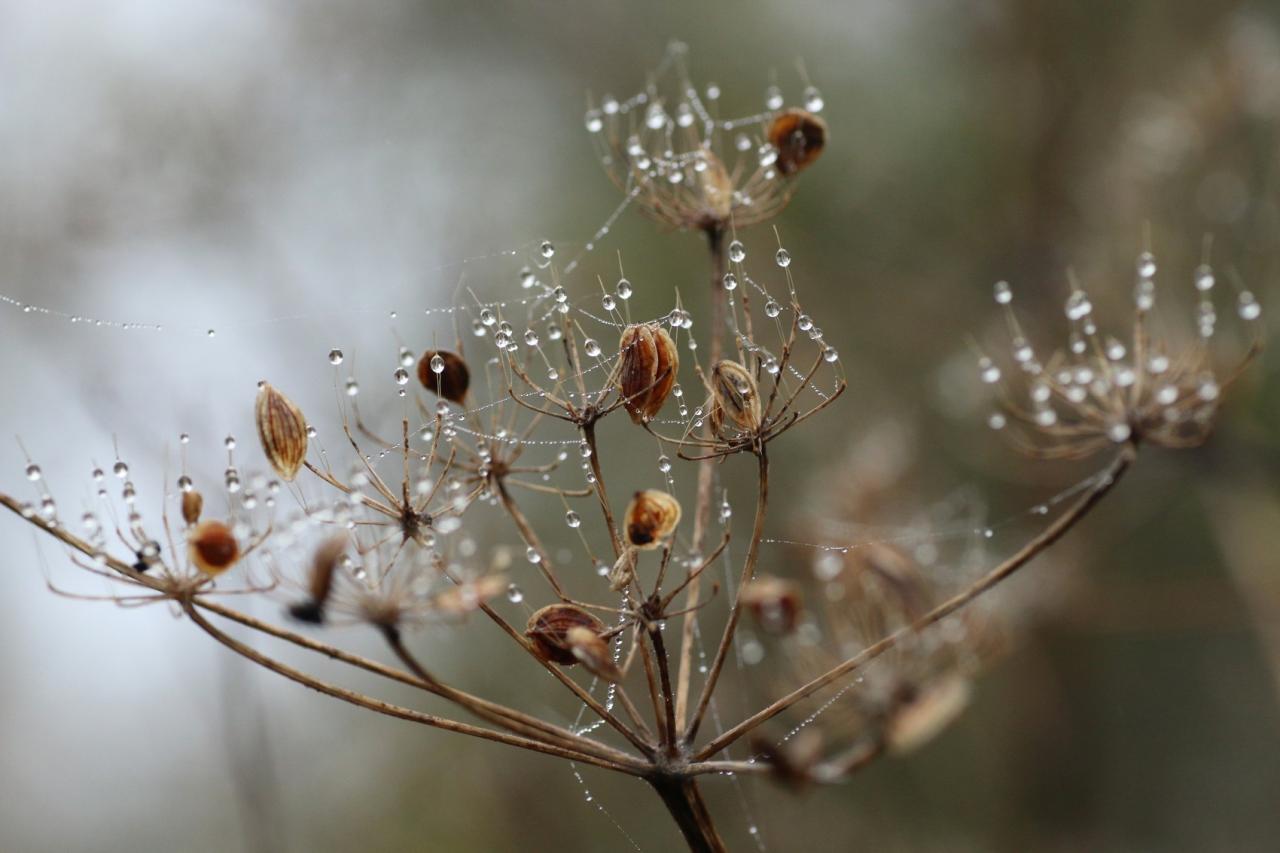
column 706, row 475
column 684, row 801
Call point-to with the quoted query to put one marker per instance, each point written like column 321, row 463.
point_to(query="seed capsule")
column 213, row 548
column 717, row 191
column 591, row 650
column 651, row 517
column 192, row 503
column 444, row 373
column 282, row 430
column 799, row 137
column 549, row 630
column 775, row 603
column 647, row 370
column 735, row 398
column 320, row 582
column 923, row 714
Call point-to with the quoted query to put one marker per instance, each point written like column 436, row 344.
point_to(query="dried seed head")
column 593, row 653
column 320, row 582
column 793, row 761
column 549, row 628
column 444, row 373
column 647, row 369
column 921, row 715
column 624, row 569
column 651, row 517
column 192, row 503
column 735, row 397
column 213, row 548
column 799, row 137
column 774, row 602
column 282, row 430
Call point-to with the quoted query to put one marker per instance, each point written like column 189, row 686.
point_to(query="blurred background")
column 289, row 174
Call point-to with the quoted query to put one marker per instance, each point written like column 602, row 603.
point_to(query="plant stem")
column 684, row 801
column 706, row 480
column 735, row 612
column 1106, row 481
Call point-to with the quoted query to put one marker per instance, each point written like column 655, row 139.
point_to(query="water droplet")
column 120, row 469
column 773, row 98
column 352, row 387
column 184, row 483
column 1003, row 293
column 997, row 420
column 664, row 463
column 730, row 281
column 401, row 375
column 584, row 449
column 813, row 99
column 830, row 355
column 514, row 594
column 531, row 554
column 737, row 252
column 608, row 302
column 33, row 472
column 783, row 258
column 1118, row 432
column 1247, row 306
column 624, row 289
column 335, row 356
column 1204, row 278
column 592, row 347
column 990, row 373
column 1078, row 305
column 593, row 121
column 547, row 250
column 772, row 308
column 531, row 338
column 805, row 322
column 211, row 333
column 572, row 519
column 1146, row 265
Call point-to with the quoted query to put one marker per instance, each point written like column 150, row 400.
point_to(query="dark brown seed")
column 549, row 628
column 735, row 397
column 799, row 137
column 637, row 369
column 451, row 381
column 213, row 548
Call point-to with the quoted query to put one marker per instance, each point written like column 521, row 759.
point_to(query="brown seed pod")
column 463, row 598
column 651, row 517
column 922, row 714
column 775, row 603
column 452, row 379
column 593, row 653
column 212, row 547
column 320, row 582
column 735, row 397
column 282, row 430
column 192, row 503
column 647, row 368
column 799, row 137
column 549, row 628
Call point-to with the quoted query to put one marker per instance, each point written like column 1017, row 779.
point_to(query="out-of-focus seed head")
column 794, row 760
column 591, row 650
column 735, row 397
column 774, row 602
column 213, row 547
column 647, row 368
column 192, row 504
column 921, row 715
column 444, row 373
column 716, row 188
column 549, row 628
column 282, row 430
column 651, row 517
column 320, row 581
column 799, row 137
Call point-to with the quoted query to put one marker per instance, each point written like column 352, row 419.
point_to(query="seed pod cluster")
column 774, row 602
column 651, row 517
column 647, row 368
column 549, row 630
column 799, row 138
column 282, row 430
column 444, row 373
column 735, row 399
column 213, row 547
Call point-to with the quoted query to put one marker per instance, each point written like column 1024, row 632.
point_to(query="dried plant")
column 378, row 542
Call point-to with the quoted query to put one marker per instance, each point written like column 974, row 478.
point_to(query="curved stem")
column 1106, row 481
